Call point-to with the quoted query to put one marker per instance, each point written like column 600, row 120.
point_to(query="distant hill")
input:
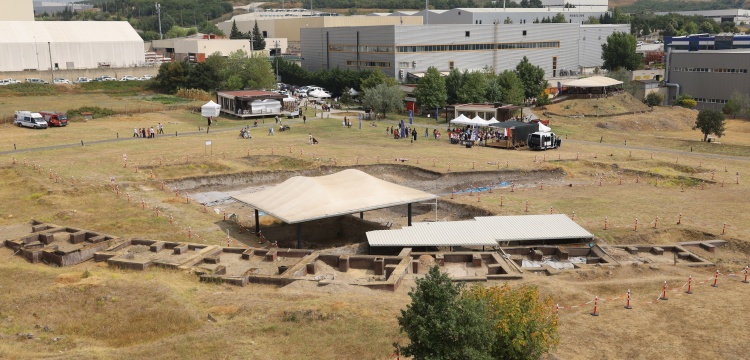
column 636, row 6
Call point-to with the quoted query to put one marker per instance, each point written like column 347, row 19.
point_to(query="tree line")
column 235, row 72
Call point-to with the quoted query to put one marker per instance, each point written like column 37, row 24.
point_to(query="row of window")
column 472, row 47
column 711, row 101
column 439, row 48
column 379, row 64
column 716, row 70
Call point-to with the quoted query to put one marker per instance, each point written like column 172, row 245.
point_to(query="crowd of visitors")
column 148, row 132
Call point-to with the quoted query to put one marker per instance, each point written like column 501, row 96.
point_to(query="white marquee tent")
column 29, row 45
column 210, row 109
column 319, row 94
column 461, row 120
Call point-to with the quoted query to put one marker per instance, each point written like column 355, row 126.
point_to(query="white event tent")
column 210, row 109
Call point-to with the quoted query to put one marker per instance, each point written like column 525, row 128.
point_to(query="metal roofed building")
column 489, row 16
column 16, row 10
column 484, row 231
column 400, row 50
column 736, row 16
column 42, row 45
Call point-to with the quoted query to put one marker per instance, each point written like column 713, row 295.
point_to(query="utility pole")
column 158, row 12
column 311, row 12
column 51, row 65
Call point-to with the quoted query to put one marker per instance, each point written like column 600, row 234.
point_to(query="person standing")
column 277, row 119
column 135, row 132
column 304, row 119
column 426, row 132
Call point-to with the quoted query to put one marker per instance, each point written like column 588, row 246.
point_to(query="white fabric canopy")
column 210, row 109
column 353, row 92
column 319, row 94
column 290, row 99
column 492, row 121
column 479, row 121
column 302, row 198
column 589, row 82
column 461, row 120
column 544, row 128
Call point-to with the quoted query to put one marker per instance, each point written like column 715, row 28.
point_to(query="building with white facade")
column 16, row 10
column 399, row 50
column 484, row 16
column 737, row 16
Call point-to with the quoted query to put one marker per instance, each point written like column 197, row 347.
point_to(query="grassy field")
column 96, row 312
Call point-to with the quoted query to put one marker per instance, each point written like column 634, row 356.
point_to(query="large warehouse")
column 401, row 50
column 40, row 45
column 709, row 76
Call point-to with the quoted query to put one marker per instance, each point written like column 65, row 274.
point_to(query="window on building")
column 265, row 34
column 524, row 33
column 468, row 33
column 451, row 65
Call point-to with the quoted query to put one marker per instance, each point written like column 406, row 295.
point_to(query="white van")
column 30, row 120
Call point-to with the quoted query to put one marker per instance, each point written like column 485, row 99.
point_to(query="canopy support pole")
column 299, row 236
column 257, row 223
column 409, row 215
column 361, row 214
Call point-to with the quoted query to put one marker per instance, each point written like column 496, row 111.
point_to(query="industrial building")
column 403, row 50
column 290, row 28
column 709, row 76
column 15, row 10
column 699, row 42
column 484, row 16
column 54, row 7
column 737, row 16
column 196, row 49
column 57, row 45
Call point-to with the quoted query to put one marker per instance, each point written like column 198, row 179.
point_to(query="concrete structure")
column 44, row 45
column 290, row 28
column 398, row 50
column 488, row 16
column 709, row 76
column 51, row 7
column 736, row 16
column 262, row 14
column 197, row 49
column 16, row 10
column 701, row 42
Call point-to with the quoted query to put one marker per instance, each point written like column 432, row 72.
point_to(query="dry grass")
column 159, row 313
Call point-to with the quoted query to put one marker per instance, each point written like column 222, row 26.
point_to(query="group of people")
column 148, row 132
column 245, row 133
column 410, row 133
column 481, row 136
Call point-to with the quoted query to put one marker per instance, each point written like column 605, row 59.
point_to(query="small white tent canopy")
column 590, row 82
column 290, row 99
column 319, row 94
column 266, row 106
column 461, row 120
column 492, row 121
column 477, row 121
column 544, row 128
column 210, row 109
column 353, row 92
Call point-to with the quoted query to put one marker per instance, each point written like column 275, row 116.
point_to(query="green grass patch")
column 97, row 112
column 25, row 89
column 168, row 99
column 117, row 87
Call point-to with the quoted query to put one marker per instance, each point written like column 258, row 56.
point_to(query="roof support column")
column 408, row 215
column 299, row 236
column 361, row 214
column 257, row 223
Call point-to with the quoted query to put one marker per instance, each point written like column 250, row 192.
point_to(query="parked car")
column 54, row 118
column 36, row 81
column 105, row 78
column 81, row 80
column 30, row 120
column 145, row 77
column 128, row 78
column 60, row 81
column 4, row 82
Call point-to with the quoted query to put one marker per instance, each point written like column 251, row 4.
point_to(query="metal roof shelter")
column 593, row 81
column 483, row 231
column 301, row 199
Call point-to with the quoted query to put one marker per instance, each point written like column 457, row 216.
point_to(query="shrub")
column 654, row 99
column 97, row 112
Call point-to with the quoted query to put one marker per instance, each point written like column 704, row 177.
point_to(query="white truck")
column 30, row 120
column 543, row 141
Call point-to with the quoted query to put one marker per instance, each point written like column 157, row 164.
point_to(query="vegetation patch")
column 25, row 89
column 168, row 99
column 96, row 111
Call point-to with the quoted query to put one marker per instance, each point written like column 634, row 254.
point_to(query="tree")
column 259, row 73
column 512, row 87
column 383, row 98
column 235, row 33
column 259, row 43
column 346, row 97
column 709, row 122
column 206, row 27
column 508, row 20
column 559, row 18
column 686, row 101
column 376, row 78
column 619, row 52
column 525, row 327
column 654, row 99
column 738, row 104
column 203, row 76
column 473, row 89
column 532, row 78
column 172, row 75
column 453, row 83
column 442, row 325
column 592, row 20
column 430, row 92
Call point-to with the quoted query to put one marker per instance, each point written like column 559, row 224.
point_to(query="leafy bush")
column 654, row 99
column 97, row 112
column 168, row 99
column 686, row 101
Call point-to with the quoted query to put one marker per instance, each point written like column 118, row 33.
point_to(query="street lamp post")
column 158, row 12
column 37, row 54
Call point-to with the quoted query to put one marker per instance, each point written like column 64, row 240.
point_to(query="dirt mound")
column 661, row 119
column 617, row 104
column 425, row 263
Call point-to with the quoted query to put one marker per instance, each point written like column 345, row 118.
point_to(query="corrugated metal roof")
column 41, row 32
column 533, row 227
column 482, row 231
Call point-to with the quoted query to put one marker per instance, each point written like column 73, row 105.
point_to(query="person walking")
column 161, row 128
column 135, row 132
column 304, row 119
column 426, row 132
